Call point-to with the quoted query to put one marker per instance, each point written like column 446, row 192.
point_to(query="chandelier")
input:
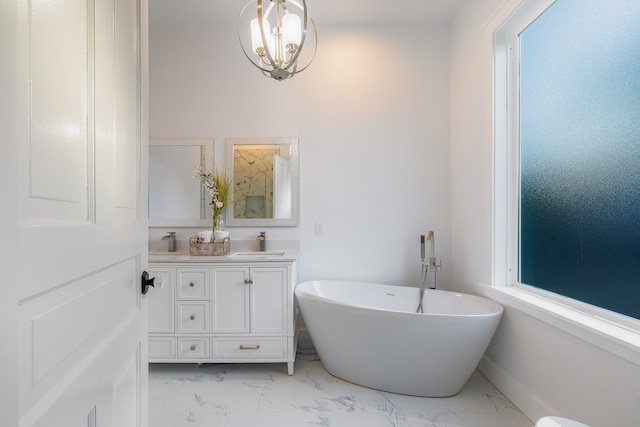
column 277, row 35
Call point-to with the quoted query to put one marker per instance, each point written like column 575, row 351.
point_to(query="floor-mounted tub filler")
column 370, row 334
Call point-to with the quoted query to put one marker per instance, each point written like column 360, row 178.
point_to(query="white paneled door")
column 81, row 148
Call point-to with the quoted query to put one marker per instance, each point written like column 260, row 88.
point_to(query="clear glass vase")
column 217, row 222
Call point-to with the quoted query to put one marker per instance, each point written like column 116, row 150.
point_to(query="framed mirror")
column 176, row 198
column 265, row 181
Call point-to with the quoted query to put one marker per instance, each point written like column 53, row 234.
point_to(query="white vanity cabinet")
column 222, row 310
column 161, row 309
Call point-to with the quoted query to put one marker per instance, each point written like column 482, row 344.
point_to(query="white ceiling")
column 324, row 12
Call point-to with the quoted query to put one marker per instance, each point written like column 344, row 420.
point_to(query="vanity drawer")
column 193, row 317
column 247, row 348
column 162, row 348
column 193, row 348
column 193, row 283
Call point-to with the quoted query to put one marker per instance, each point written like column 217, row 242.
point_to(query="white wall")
column 540, row 368
column 372, row 115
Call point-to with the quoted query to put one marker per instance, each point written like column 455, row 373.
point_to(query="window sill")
column 620, row 338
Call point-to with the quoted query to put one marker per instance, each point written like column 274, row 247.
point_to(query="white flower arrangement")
column 218, row 187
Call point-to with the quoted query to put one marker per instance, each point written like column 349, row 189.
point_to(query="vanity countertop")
column 285, row 255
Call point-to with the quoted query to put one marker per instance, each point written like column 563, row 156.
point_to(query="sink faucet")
column 262, row 238
column 171, row 237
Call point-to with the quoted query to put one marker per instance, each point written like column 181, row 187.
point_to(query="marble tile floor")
column 263, row 395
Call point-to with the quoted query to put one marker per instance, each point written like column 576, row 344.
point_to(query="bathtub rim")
column 495, row 310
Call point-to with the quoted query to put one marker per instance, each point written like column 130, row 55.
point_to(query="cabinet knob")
column 248, row 281
column 193, row 347
column 192, row 317
column 192, row 285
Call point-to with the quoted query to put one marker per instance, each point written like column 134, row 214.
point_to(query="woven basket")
column 210, row 249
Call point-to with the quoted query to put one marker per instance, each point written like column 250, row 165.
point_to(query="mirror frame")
column 233, row 142
column 208, row 161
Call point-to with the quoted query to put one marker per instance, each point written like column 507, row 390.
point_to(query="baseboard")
column 525, row 399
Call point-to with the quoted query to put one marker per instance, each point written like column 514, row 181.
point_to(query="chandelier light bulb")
column 256, row 37
column 291, row 30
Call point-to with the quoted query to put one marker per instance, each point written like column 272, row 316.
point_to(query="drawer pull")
column 248, row 281
column 192, row 317
column 193, row 348
column 192, row 285
column 249, row 347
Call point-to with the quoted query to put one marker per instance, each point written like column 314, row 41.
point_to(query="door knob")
column 146, row 282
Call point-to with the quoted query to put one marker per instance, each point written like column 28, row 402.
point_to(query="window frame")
column 611, row 331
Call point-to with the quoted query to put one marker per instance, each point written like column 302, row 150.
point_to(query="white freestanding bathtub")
column 370, row 334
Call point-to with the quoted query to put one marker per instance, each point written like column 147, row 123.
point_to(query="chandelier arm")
column 253, row 62
column 294, row 60
column 265, row 45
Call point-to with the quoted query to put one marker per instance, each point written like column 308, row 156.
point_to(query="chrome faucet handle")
column 434, row 265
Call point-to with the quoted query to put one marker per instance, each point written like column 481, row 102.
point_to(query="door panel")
column 71, row 319
column 282, row 197
column 84, row 398
column 127, row 116
column 82, row 229
column 58, row 130
column 126, row 386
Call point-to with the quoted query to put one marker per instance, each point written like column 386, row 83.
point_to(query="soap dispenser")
column 262, row 238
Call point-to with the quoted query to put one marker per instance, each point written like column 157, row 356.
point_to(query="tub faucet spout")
column 432, row 252
column 429, row 268
column 433, row 266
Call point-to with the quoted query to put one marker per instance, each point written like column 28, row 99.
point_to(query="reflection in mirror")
column 176, row 199
column 265, row 181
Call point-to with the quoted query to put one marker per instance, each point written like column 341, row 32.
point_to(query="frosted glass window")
column 580, row 152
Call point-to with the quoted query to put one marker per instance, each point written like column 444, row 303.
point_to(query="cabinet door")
column 269, row 298
column 162, row 302
column 230, row 299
